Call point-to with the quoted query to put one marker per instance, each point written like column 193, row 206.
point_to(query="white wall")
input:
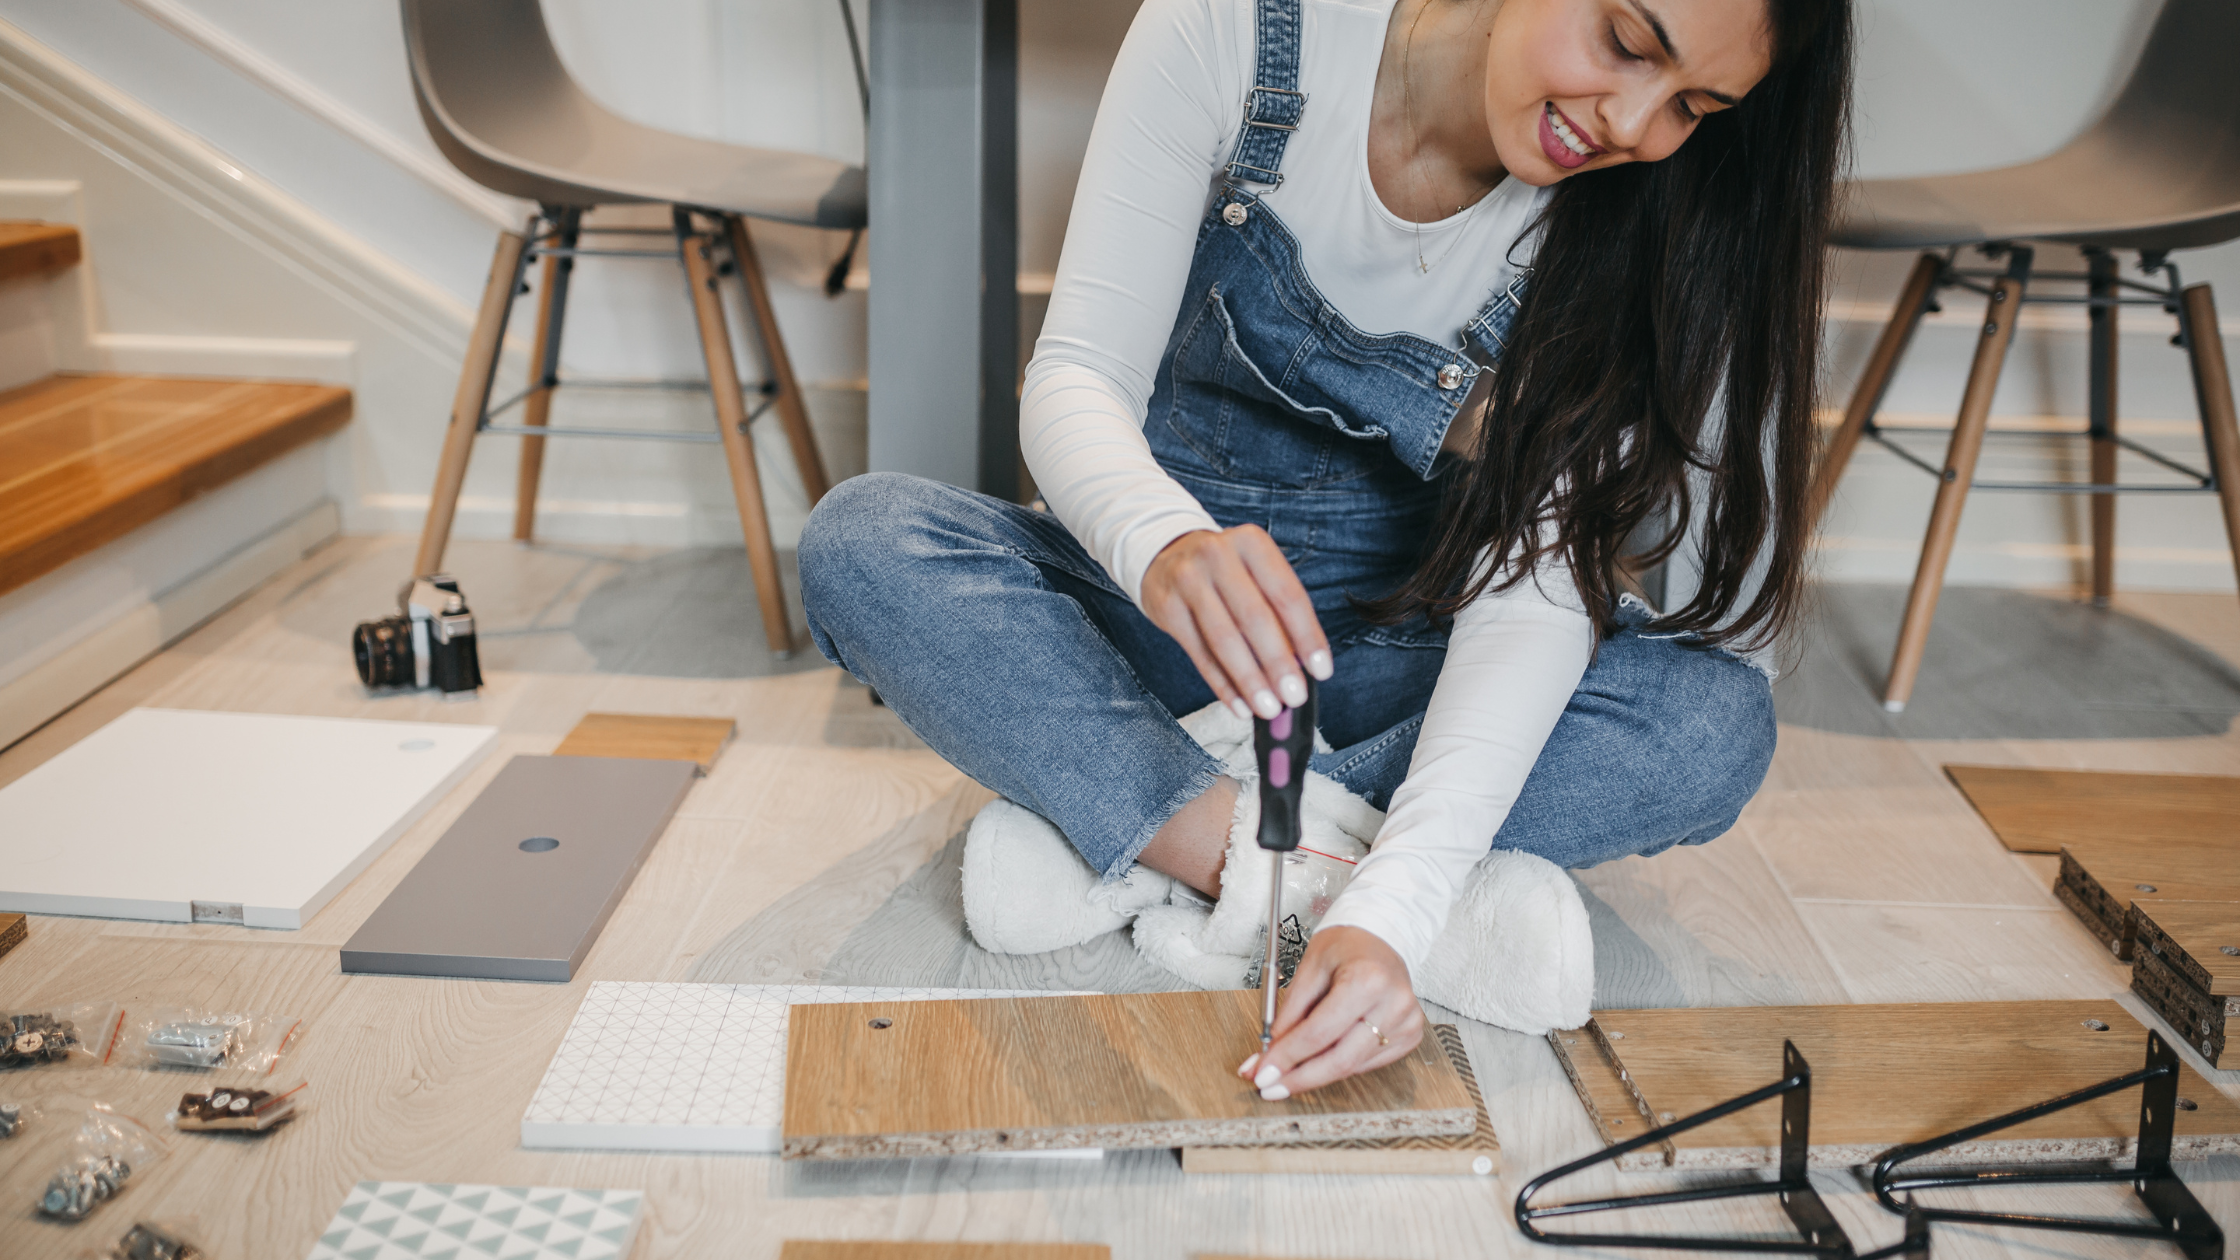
column 1943, row 85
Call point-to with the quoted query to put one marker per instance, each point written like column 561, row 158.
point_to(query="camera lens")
column 384, row 652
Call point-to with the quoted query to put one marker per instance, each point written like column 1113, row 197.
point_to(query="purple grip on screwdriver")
column 1280, row 725
column 1279, row 767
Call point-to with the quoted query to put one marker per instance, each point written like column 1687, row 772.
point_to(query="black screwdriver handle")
column 1282, row 745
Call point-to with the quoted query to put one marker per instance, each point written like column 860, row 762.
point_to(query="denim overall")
column 989, row 630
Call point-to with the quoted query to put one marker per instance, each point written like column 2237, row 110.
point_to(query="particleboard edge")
column 2076, row 889
column 13, row 929
column 2158, row 940
column 2199, row 1019
column 1606, row 1091
column 838, row 1249
column 1965, row 1155
column 1241, row 1131
column 1479, row 1155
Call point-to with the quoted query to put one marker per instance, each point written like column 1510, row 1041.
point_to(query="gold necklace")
column 1408, row 121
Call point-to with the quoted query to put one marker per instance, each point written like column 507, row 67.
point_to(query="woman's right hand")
column 1233, row 603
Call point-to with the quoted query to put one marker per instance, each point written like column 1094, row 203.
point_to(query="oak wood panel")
column 1888, row 1074
column 2199, row 938
column 2038, row 811
column 1108, row 1070
column 30, row 249
column 1477, row 1152
column 800, row 1249
column 86, row 460
column 656, row 738
column 2101, row 878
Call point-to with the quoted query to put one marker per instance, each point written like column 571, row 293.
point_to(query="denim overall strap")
column 1488, row 330
column 1274, row 104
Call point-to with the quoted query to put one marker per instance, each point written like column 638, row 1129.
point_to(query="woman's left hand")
column 1350, row 988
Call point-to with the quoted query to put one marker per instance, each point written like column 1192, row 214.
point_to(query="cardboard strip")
column 1477, row 1152
column 1108, row 1070
column 2039, row 811
column 1883, row 1076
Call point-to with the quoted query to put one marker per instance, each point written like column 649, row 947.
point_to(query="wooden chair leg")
column 1866, row 398
column 731, row 419
column 2212, row 387
column 1952, row 492
column 473, row 396
column 2102, row 408
column 793, row 412
column 544, row 374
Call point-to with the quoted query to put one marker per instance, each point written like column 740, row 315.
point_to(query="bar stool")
column 2159, row 171
column 503, row 109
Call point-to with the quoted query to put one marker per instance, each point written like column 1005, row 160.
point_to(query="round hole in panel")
column 2187, row 1104
column 881, row 1021
column 2096, row 1025
column 2145, row 888
column 539, row 844
column 2233, row 950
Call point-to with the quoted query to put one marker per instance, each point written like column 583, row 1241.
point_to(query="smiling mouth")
column 1561, row 126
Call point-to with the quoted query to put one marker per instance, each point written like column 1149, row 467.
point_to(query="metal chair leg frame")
column 1821, row 1234
column 2179, row 1216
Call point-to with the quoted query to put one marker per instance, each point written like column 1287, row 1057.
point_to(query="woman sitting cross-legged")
column 1388, row 338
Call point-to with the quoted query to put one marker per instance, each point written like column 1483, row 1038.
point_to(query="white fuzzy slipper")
column 1027, row 890
column 1517, row 951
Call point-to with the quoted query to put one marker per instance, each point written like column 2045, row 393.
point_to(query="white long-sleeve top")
column 1169, row 120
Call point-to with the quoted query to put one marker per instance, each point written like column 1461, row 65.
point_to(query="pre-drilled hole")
column 881, row 1021
column 2233, row 950
column 2096, row 1025
column 539, row 844
column 2146, row 888
column 2187, row 1104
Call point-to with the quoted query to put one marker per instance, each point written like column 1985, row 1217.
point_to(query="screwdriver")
column 1282, row 745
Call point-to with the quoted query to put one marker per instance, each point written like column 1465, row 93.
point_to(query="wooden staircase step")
column 30, row 249
column 85, row 460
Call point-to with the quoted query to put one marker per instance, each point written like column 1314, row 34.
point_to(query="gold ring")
column 1382, row 1040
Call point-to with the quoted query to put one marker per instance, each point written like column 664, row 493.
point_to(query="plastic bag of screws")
column 108, row 1149
column 152, row 1240
column 198, row 1038
column 16, row 1117
column 237, row 1110
column 81, row 1034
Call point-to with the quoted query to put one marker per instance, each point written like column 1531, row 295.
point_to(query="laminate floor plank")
column 1914, row 953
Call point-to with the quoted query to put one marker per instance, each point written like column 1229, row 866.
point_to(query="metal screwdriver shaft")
column 1281, row 745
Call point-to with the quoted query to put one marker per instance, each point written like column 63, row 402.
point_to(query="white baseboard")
column 71, row 631
column 262, row 358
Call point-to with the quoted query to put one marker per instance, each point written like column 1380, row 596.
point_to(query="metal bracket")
column 1820, row 1234
column 2179, row 1216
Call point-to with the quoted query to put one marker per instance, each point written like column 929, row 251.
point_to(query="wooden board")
column 2039, row 811
column 1477, row 1152
column 2199, row 939
column 2199, row 1019
column 85, row 460
column 1109, row 1070
column 2101, row 878
column 31, row 249
column 694, row 739
column 1881, row 1076
column 798, row 1249
column 13, row 929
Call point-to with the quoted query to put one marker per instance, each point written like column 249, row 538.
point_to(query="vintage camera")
column 430, row 643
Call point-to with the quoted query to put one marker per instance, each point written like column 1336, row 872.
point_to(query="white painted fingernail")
column 1240, row 708
column 1267, row 1076
column 1318, row 664
column 1294, row 690
column 1264, row 702
column 1245, row 1068
column 1274, row 1093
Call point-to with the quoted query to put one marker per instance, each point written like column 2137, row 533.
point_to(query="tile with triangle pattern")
column 518, row 1222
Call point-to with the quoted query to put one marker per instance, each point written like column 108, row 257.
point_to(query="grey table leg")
column 943, row 161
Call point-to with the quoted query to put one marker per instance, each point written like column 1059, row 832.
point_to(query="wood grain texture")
column 2039, row 811
column 85, row 460
column 1110, row 1070
column 798, row 1249
column 2200, row 939
column 2101, row 878
column 695, row 739
column 32, row 249
column 1477, row 1153
column 13, row 929
column 1884, row 1075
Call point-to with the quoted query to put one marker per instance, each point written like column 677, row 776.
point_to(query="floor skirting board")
column 103, row 651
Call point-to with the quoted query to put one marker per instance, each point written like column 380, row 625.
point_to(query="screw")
column 2187, row 1104
column 2233, row 950
column 882, row 1022
column 2096, row 1025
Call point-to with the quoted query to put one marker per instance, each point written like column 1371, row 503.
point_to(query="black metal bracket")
column 1820, row 1234
column 2179, row 1216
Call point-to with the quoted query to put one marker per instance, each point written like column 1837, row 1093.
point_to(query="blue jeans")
column 996, row 638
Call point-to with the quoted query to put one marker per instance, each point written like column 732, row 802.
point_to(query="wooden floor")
column 822, row 847
column 85, row 460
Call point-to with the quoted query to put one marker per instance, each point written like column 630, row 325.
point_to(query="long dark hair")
column 1660, row 290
